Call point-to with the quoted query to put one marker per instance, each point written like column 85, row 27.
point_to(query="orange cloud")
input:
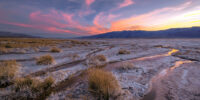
column 126, row 3
column 147, row 20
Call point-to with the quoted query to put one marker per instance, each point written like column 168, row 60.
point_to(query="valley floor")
column 163, row 69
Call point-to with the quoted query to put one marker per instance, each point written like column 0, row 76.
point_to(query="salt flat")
column 163, row 69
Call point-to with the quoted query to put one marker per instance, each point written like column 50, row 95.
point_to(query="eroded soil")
column 165, row 69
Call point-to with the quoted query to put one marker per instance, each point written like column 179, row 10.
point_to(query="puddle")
column 161, row 55
column 179, row 63
column 154, row 83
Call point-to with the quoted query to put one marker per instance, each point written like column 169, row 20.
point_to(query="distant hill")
column 15, row 35
column 4, row 34
column 193, row 32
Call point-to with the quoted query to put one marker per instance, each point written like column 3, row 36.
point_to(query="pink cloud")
column 41, row 27
column 46, row 19
column 19, row 24
column 52, row 22
column 97, row 19
column 54, row 29
column 89, row 2
column 68, row 18
column 85, row 12
column 126, row 3
column 55, row 21
column 102, row 19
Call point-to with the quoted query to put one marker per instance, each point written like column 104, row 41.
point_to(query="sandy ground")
column 165, row 69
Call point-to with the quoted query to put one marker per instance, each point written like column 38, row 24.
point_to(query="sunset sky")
column 88, row 17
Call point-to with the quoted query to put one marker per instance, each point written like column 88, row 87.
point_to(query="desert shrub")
column 126, row 66
column 8, row 45
column 161, row 46
column 54, row 49
column 45, row 60
column 102, row 84
column 158, row 46
column 31, row 88
column 97, row 61
column 24, row 83
column 22, row 51
column 3, row 50
column 123, row 51
column 8, row 70
column 85, row 43
column 100, row 57
column 48, row 82
column 29, row 42
column 74, row 56
column 36, row 49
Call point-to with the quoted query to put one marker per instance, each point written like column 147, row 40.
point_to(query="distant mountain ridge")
column 15, row 35
column 6, row 34
column 193, row 32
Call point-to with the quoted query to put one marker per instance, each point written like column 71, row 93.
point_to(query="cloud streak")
column 99, row 16
column 89, row 2
column 126, row 3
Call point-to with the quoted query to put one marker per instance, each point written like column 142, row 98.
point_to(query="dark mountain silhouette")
column 5, row 34
column 15, row 35
column 193, row 32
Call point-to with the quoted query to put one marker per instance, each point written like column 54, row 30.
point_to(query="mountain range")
column 6, row 34
column 15, row 35
column 193, row 32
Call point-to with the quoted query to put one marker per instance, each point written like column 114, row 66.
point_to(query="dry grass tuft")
column 45, row 60
column 36, row 49
column 38, row 42
column 3, row 50
column 76, row 42
column 74, row 56
column 97, row 61
column 55, row 50
column 8, row 45
column 101, row 57
column 123, row 51
column 102, row 84
column 126, row 66
column 8, row 70
column 161, row 46
column 29, row 42
column 25, row 83
column 31, row 88
column 22, row 51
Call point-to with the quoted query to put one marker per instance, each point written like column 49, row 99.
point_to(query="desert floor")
column 163, row 69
